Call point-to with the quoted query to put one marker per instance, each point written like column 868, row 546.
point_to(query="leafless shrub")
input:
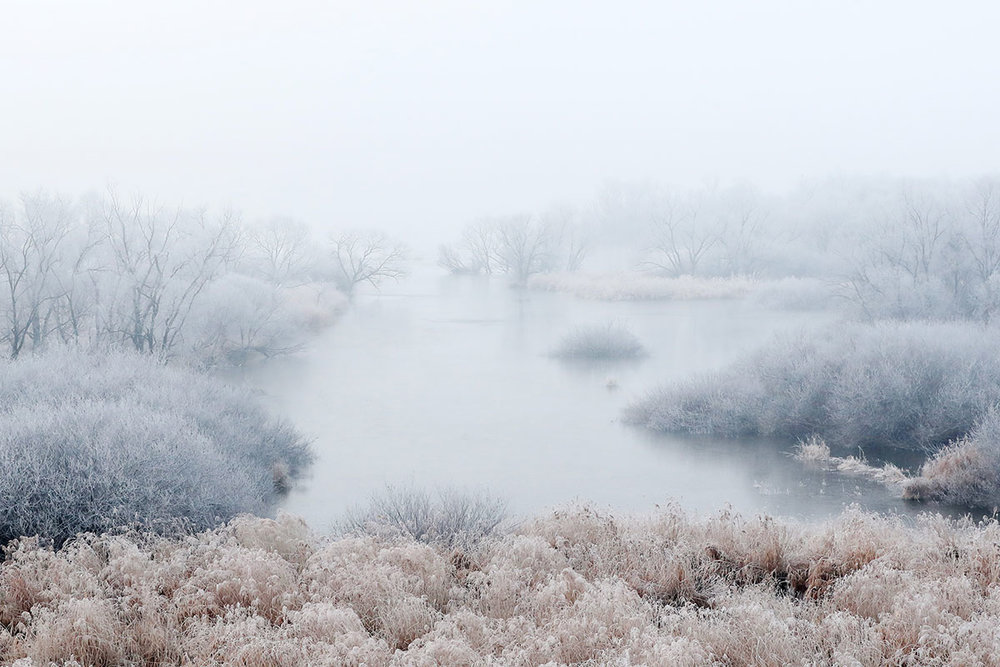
column 448, row 516
column 611, row 340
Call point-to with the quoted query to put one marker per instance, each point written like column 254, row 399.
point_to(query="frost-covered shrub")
column 965, row 472
column 912, row 385
column 602, row 341
column 449, row 516
column 94, row 442
column 573, row 587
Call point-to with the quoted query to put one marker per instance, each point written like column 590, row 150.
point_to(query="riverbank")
column 570, row 586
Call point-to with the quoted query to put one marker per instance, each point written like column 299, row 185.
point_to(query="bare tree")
column 741, row 228
column 481, row 240
column 278, row 250
column 682, row 237
column 526, row 246
column 158, row 264
column 981, row 242
column 366, row 257
column 572, row 242
column 452, row 259
column 916, row 265
column 31, row 243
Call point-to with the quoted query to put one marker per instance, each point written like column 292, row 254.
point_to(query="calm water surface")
column 445, row 380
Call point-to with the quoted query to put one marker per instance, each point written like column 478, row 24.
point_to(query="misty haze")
column 522, row 334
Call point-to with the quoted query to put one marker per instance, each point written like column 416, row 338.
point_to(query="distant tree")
column 157, row 264
column 572, row 240
column 450, row 258
column 366, row 257
column 239, row 317
column 682, row 236
column 526, row 246
column 481, row 241
column 32, row 241
column 981, row 243
column 741, row 215
column 279, row 251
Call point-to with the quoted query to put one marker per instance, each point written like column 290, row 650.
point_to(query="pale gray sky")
column 417, row 116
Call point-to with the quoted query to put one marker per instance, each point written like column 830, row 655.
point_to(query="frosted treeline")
column 98, row 442
column 115, row 272
column 572, row 587
column 881, row 247
column 519, row 246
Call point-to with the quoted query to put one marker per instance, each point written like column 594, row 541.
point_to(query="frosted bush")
column 909, row 385
column 448, row 516
column 967, row 471
column 611, row 340
column 573, row 587
column 94, row 442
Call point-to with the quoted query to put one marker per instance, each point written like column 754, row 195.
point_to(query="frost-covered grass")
column 967, row 471
column 611, row 340
column 912, row 385
column 572, row 587
column 814, row 451
column 95, row 442
column 634, row 286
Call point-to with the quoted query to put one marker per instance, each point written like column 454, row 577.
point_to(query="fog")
column 524, row 333
column 419, row 117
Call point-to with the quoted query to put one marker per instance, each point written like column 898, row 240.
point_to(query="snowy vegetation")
column 967, row 471
column 519, row 246
column 911, row 385
column 116, row 273
column 611, row 340
column 98, row 442
column 449, row 517
column 572, row 587
column 633, row 286
column 884, row 248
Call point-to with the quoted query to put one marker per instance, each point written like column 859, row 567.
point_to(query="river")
column 446, row 381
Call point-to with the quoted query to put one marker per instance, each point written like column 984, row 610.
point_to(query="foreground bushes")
column 913, row 385
column 97, row 442
column 571, row 587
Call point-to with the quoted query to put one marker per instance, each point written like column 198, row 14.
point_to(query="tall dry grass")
column 572, row 587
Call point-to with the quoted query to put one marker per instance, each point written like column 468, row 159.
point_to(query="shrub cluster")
column 95, row 442
column 450, row 516
column 914, row 385
column 574, row 587
column 601, row 341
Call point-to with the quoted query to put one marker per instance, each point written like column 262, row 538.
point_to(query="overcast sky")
column 416, row 116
